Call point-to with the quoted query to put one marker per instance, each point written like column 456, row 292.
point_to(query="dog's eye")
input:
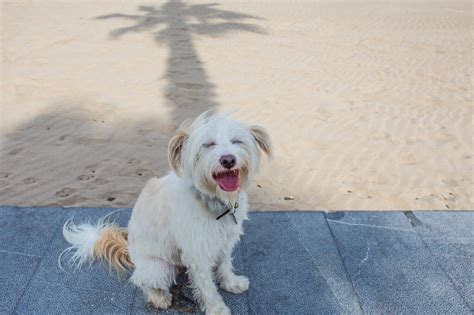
column 236, row 141
column 209, row 144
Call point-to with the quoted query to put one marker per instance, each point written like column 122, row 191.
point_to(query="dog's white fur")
column 174, row 221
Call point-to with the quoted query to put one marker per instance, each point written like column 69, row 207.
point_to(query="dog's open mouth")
column 228, row 180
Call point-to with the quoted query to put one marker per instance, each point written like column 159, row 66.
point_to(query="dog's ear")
column 262, row 138
column 175, row 148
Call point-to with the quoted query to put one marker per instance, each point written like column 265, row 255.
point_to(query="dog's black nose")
column 228, row 161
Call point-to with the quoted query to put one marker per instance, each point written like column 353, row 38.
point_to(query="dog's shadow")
column 183, row 300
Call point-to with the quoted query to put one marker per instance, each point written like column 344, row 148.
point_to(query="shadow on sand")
column 189, row 91
column 79, row 159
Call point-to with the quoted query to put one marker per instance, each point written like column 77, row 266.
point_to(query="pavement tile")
column 391, row 268
column 284, row 277
column 16, row 273
column 60, row 298
column 28, row 230
column 315, row 236
column 71, row 289
column 292, row 261
column 450, row 238
column 94, row 277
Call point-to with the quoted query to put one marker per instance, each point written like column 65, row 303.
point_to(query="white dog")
column 191, row 217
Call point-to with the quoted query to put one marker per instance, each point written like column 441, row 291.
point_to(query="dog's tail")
column 103, row 241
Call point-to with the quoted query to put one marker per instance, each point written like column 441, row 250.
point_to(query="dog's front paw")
column 236, row 284
column 221, row 309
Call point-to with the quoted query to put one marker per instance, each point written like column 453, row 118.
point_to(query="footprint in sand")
column 65, row 192
column 85, row 177
column 15, row 151
column 91, row 168
column 144, row 173
column 109, row 196
column 30, row 180
column 133, row 161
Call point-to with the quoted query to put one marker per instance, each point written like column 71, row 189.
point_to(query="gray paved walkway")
column 297, row 262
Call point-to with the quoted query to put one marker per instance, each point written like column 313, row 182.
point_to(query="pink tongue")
column 228, row 181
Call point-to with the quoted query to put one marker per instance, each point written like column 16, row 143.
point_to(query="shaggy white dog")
column 191, row 217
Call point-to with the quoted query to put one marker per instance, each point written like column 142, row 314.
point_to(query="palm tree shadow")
column 189, row 91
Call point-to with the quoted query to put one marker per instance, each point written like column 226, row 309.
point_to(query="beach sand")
column 369, row 105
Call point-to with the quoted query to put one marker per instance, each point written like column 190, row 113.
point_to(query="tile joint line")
column 372, row 226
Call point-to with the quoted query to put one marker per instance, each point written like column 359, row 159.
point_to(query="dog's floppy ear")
column 175, row 148
column 262, row 138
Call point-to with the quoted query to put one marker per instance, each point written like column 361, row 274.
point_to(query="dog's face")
column 218, row 154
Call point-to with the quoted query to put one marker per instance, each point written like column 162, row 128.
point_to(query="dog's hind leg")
column 158, row 297
column 154, row 277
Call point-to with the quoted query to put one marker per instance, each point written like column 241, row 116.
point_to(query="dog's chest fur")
column 169, row 218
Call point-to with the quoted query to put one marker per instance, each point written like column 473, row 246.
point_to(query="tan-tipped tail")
column 103, row 240
column 113, row 248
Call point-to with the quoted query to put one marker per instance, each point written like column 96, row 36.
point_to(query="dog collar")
column 215, row 204
column 234, row 208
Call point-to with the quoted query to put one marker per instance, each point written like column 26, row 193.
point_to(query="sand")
column 369, row 105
